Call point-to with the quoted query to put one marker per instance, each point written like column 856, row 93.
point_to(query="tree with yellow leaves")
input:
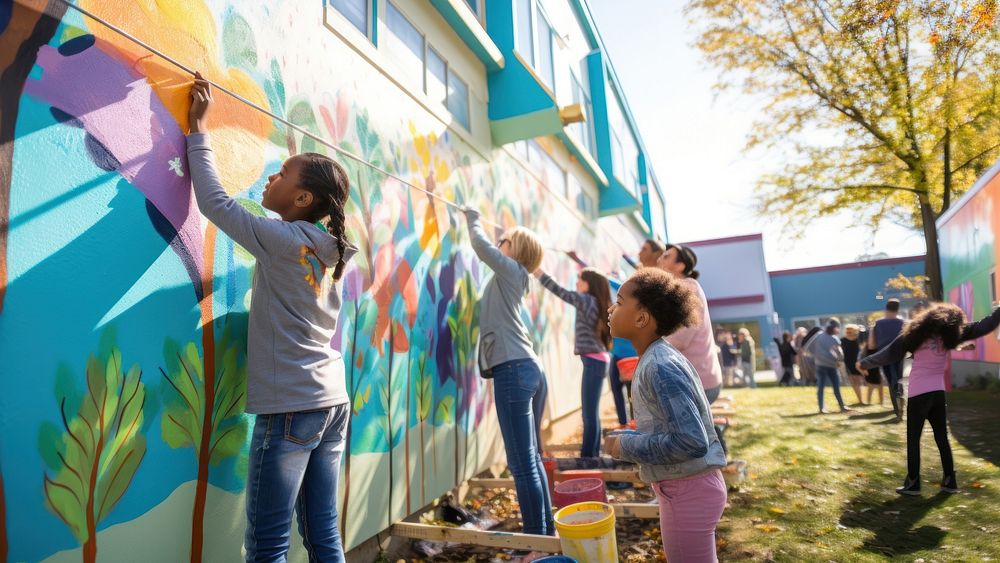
column 887, row 109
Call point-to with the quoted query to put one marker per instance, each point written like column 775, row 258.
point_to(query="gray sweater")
column 502, row 334
column 676, row 435
column 294, row 305
column 587, row 341
column 826, row 350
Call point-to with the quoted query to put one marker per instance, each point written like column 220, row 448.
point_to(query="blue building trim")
column 468, row 28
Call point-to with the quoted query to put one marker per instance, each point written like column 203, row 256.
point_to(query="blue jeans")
column 594, row 372
column 518, row 387
column 826, row 374
column 616, row 391
column 893, row 375
column 295, row 464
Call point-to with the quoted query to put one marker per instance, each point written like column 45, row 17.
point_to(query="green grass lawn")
column 821, row 487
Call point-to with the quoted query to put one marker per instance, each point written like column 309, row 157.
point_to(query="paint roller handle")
column 201, row 101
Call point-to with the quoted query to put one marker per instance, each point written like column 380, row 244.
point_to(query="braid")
column 336, row 226
column 328, row 182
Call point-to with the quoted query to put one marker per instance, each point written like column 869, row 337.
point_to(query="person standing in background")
column 787, row 353
column 730, row 358
column 650, row 253
column 852, row 352
column 884, row 332
column 748, row 357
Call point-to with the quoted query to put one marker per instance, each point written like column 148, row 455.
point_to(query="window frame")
column 448, row 69
column 370, row 23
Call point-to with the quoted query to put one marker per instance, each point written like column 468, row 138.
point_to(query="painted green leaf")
column 113, row 483
column 444, row 409
column 228, row 443
column 238, row 42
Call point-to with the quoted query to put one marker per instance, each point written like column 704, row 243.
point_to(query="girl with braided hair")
column 296, row 383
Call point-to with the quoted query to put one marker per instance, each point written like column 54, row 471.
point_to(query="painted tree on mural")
column 185, row 398
column 95, row 454
column 887, row 109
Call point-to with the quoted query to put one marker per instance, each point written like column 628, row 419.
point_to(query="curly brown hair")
column 939, row 320
column 672, row 304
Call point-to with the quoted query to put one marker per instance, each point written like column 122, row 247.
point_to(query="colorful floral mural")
column 117, row 295
column 969, row 258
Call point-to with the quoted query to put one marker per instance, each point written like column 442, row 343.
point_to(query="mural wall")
column 969, row 255
column 123, row 313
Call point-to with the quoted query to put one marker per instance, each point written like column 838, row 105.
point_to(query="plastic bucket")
column 550, row 466
column 587, row 532
column 556, row 559
column 572, row 491
column 626, row 368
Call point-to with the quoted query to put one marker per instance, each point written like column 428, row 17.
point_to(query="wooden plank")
column 563, row 447
column 637, row 510
column 626, row 475
column 723, row 412
column 491, row 483
column 486, row 538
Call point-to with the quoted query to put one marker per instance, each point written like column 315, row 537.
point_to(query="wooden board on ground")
column 637, row 510
column 621, row 475
column 723, row 412
column 486, row 538
column 563, row 447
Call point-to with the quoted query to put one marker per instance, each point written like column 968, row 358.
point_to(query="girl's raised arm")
column 573, row 298
column 487, row 251
column 982, row 327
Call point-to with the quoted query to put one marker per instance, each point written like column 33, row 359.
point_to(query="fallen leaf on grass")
column 822, row 545
column 776, row 510
column 977, row 485
column 859, row 474
column 769, row 528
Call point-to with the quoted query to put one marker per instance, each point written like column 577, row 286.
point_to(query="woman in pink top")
column 930, row 337
column 696, row 342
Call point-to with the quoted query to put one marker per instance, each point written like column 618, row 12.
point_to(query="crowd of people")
column 657, row 317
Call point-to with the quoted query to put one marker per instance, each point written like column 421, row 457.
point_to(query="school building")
column 111, row 281
column 742, row 292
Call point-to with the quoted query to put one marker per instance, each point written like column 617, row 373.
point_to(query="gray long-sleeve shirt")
column 826, row 350
column 294, row 304
column 587, row 341
column 502, row 334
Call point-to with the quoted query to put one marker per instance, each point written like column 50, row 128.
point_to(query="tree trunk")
column 946, row 199
column 932, row 267
column 208, row 371
column 406, row 429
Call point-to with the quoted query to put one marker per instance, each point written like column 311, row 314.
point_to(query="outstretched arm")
column 487, row 251
column 573, row 298
column 891, row 354
column 982, row 327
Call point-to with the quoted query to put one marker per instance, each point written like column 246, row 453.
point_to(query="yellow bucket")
column 587, row 532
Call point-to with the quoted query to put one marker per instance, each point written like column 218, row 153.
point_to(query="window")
column 355, row 11
column 525, row 42
column 583, row 200
column 437, row 77
column 544, row 66
column 425, row 67
column 582, row 130
column 405, row 44
column 474, row 5
column 458, row 99
column 657, row 213
column 535, row 40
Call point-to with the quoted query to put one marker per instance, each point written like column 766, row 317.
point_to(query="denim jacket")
column 676, row 436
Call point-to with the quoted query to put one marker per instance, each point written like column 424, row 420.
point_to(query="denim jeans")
column 748, row 374
column 713, row 393
column 518, row 386
column 594, row 372
column 826, row 374
column 295, row 464
column 617, row 392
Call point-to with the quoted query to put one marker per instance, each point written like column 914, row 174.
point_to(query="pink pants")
column 690, row 509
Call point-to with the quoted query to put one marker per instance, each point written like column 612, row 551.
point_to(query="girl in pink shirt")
column 930, row 337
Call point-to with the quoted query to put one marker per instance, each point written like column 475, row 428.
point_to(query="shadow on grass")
column 872, row 415
column 803, row 415
column 974, row 420
column 893, row 522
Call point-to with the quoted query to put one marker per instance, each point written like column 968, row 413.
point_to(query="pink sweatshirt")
column 930, row 361
column 697, row 343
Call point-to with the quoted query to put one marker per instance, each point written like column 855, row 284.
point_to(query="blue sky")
column 696, row 138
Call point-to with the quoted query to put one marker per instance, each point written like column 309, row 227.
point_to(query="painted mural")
column 969, row 257
column 123, row 313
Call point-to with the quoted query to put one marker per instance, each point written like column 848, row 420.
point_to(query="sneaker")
column 846, row 409
column 949, row 484
column 909, row 487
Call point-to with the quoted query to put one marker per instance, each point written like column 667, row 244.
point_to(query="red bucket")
column 626, row 368
column 573, row 491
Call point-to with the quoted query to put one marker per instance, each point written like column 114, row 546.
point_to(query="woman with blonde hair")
column 506, row 355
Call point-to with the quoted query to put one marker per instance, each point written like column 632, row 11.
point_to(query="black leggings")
column 931, row 407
